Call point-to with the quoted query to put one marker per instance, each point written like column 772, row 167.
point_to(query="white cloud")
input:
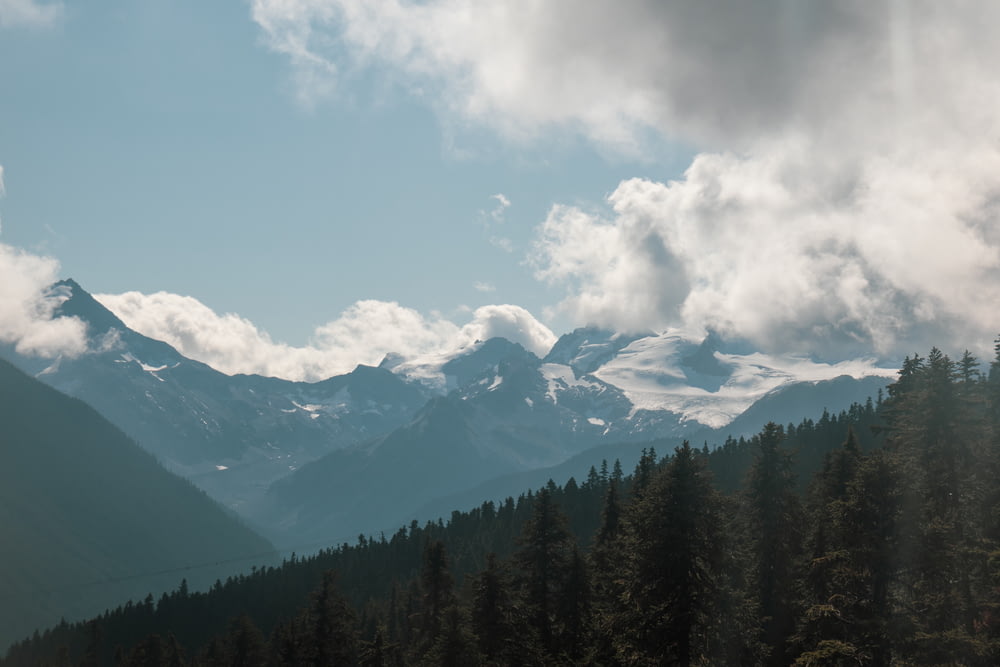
column 3, row 188
column 511, row 322
column 845, row 197
column 714, row 73
column 362, row 334
column 27, row 305
column 28, row 13
column 502, row 205
column 484, row 286
column 885, row 253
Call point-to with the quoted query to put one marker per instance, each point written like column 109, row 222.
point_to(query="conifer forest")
column 868, row 537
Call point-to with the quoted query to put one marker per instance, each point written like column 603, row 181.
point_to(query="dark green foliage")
column 672, row 566
column 332, row 627
column 774, row 521
column 542, row 562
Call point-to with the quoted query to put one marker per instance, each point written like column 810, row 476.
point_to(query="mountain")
column 89, row 519
column 232, row 435
column 521, row 416
column 304, row 462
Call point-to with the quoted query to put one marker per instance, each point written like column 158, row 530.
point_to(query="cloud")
column 491, row 219
column 891, row 253
column 27, row 13
column 362, row 334
column 511, row 322
column 484, row 286
column 502, row 205
column 716, row 73
column 844, row 196
column 859, row 214
column 28, row 303
column 3, row 188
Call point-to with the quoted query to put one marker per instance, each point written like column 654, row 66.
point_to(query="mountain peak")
column 82, row 305
column 587, row 348
column 483, row 356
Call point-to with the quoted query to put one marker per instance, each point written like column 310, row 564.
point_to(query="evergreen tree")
column 672, row 567
column 492, row 614
column 334, row 638
column 774, row 521
column 245, row 644
column 542, row 561
column 436, row 584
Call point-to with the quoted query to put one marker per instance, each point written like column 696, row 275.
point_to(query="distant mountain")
column 520, row 417
column 232, row 435
column 90, row 520
column 488, row 409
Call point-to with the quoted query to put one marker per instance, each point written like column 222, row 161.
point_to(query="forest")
column 868, row 537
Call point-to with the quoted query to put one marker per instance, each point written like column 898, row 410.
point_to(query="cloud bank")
column 362, row 334
column 845, row 196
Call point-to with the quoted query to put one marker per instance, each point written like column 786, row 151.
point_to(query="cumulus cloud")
column 28, row 13
column 863, row 221
column 844, row 197
column 709, row 72
column 511, row 322
column 884, row 255
column 362, row 334
column 28, row 304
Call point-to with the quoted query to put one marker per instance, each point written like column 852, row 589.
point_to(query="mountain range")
column 319, row 462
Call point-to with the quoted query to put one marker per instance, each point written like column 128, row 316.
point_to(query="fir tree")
column 672, row 567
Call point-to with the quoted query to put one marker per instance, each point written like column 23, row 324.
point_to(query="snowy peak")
column 81, row 304
column 673, row 372
column 486, row 355
column 588, row 348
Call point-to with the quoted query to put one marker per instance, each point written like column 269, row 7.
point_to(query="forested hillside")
column 869, row 537
column 87, row 518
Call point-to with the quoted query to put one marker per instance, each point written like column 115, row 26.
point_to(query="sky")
column 293, row 187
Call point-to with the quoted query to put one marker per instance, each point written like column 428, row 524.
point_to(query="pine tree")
column 245, row 644
column 576, row 610
column 849, row 619
column 774, row 521
column 334, row 638
column 436, row 584
column 492, row 611
column 542, row 561
column 672, row 568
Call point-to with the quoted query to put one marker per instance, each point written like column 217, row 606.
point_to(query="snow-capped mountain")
column 231, row 435
column 513, row 412
column 313, row 460
column 643, row 386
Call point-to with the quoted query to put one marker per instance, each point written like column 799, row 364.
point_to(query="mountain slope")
column 517, row 416
column 232, row 435
column 85, row 514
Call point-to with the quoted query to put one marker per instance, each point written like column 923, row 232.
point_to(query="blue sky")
column 817, row 179
column 161, row 146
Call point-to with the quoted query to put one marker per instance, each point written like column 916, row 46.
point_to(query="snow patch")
column 560, row 378
column 650, row 372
